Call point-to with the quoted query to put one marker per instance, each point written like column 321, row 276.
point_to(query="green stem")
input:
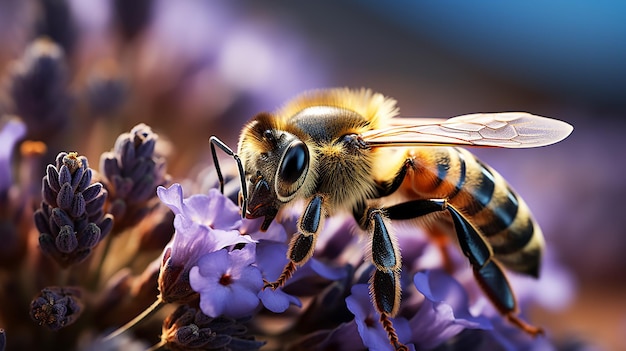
column 145, row 314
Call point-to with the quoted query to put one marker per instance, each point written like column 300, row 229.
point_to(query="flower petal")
column 242, row 301
column 373, row 335
column 328, row 271
column 214, row 264
column 277, row 300
column 445, row 311
column 172, row 197
column 214, row 301
column 226, row 238
column 271, row 257
column 222, row 212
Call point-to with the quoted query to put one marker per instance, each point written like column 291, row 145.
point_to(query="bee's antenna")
column 244, row 191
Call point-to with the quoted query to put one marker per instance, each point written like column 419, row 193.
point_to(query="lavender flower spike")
column 12, row 131
column 71, row 219
column 38, row 88
column 132, row 173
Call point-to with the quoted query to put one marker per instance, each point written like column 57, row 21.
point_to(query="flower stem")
column 103, row 254
column 63, row 277
column 157, row 346
column 145, row 314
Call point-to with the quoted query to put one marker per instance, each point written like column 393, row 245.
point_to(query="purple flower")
column 228, row 282
column 203, row 224
column 445, row 311
column 367, row 319
column 12, row 131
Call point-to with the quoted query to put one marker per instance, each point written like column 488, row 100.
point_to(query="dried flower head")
column 189, row 329
column 56, row 307
column 71, row 220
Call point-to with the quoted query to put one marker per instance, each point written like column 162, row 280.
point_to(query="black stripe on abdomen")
column 483, row 193
column 515, row 240
column 462, row 174
column 503, row 215
column 443, row 166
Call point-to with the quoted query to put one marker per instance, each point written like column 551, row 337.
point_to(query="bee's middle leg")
column 385, row 287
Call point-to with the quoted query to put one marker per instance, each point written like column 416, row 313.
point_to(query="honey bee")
column 344, row 151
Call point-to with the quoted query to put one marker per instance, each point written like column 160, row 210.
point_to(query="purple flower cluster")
column 213, row 254
column 228, row 260
column 200, row 229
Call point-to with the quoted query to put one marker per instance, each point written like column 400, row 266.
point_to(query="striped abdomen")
column 485, row 198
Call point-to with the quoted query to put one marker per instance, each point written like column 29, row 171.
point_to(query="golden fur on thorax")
column 332, row 170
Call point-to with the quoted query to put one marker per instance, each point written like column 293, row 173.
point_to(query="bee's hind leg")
column 487, row 272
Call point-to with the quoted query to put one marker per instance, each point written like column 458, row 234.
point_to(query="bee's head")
column 276, row 164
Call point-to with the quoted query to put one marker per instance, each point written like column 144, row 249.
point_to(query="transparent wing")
column 506, row 129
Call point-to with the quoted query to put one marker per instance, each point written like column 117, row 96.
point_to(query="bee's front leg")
column 302, row 244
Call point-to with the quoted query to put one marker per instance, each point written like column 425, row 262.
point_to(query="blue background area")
column 573, row 49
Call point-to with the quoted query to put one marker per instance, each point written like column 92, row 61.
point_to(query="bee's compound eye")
column 294, row 163
column 292, row 168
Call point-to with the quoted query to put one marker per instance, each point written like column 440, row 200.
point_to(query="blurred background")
column 191, row 69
